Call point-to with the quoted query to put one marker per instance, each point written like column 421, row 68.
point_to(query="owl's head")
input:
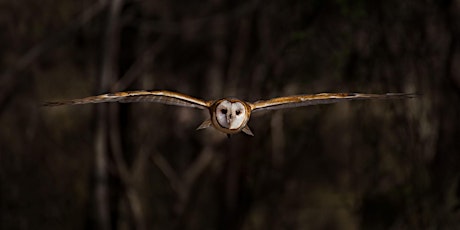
column 231, row 114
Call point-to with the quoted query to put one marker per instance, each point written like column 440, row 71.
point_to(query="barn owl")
column 227, row 115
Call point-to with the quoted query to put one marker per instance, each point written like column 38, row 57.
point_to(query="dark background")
column 354, row 165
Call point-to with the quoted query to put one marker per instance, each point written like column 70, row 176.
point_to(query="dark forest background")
column 392, row 164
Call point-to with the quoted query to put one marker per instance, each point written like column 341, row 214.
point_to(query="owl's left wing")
column 321, row 98
column 163, row 97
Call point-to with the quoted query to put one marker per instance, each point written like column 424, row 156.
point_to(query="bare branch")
column 10, row 78
column 139, row 66
column 102, row 137
column 198, row 166
column 168, row 171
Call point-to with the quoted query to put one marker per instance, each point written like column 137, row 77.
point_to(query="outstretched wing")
column 163, row 97
column 322, row 98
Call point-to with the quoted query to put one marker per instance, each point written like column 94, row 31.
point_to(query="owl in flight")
column 228, row 115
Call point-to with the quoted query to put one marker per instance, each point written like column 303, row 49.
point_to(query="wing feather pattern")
column 321, row 98
column 163, row 97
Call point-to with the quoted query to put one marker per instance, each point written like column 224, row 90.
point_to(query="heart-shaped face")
column 231, row 115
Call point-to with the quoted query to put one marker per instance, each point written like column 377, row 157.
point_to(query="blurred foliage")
column 358, row 165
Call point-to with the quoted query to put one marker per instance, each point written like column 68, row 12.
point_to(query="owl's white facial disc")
column 231, row 115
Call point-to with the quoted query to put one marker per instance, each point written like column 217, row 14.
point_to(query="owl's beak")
column 229, row 118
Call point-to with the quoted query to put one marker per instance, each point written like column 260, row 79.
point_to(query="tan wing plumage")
column 163, row 97
column 321, row 98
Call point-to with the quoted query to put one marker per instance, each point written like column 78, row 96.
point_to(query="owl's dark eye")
column 224, row 111
column 238, row 112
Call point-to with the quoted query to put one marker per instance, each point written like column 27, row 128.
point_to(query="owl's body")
column 227, row 115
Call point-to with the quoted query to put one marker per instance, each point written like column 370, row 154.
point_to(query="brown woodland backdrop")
column 391, row 164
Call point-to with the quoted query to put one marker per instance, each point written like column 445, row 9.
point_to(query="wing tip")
column 54, row 103
column 403, row 95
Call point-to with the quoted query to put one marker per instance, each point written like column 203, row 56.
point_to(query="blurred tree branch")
column 104, row 124
column 10, row 79
column 139, row 66
column 183, row 185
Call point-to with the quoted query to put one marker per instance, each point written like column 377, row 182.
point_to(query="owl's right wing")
column 163, row 97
